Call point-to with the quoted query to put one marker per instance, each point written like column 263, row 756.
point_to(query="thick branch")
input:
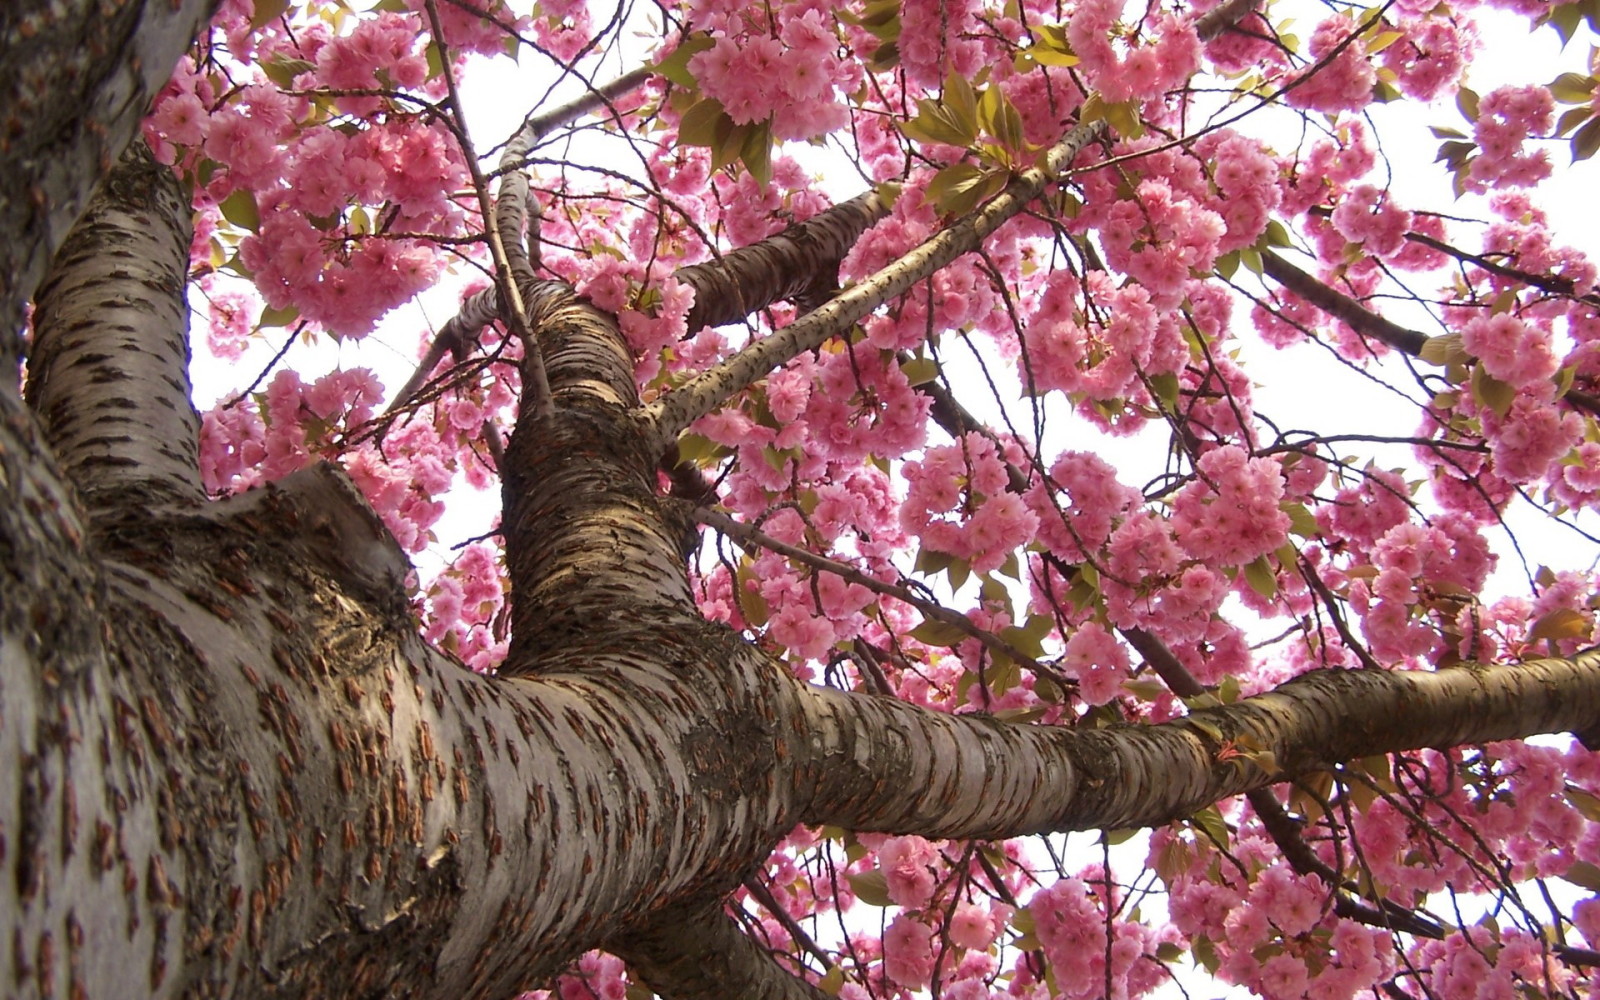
column 1361, row 319
column 109, row 374
column 886, row 765
column 675, row 411
column 703, row 954
column 76, row 78
column 586, row 533
column 779, row 267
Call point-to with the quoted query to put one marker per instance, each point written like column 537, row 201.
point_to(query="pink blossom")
column 908, row 953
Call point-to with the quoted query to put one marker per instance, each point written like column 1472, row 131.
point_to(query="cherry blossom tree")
column 819, row 586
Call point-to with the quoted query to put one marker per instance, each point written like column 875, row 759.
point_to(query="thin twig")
column 934, row 610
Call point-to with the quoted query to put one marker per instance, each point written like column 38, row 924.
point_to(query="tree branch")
column 703, row 953
column 1361, row 319
column 886, row 765
column 669, row 415
column 109, row 374
column 932, row 609
column 779, row 267
column 71, row 112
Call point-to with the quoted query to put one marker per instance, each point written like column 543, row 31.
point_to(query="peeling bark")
column 802, row 259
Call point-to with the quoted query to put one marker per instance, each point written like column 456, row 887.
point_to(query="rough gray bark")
column 76, row 78
column 114, row 317
column 233, row 769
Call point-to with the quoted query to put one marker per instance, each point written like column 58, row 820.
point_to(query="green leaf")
column 920, row 371
column 1001, row 119
column 1467, row 103
column 1144, row 689
column 1165, row 387
column 933, row 632
column 675, row 65
column 1564, row 19
column 752, row 606
column 1571, row 118
column 1383, row 40
column 954, row 190
column 884, row 58
column 1586, row 140
column 1301, row 521
column 1276, row 235
column 1001, row 675
column 962, row 103
column 435, row 61
column 1492, row 392
column 282, row 71
column 1443, row 350
column 729, row 145
column 756, row 153
column 1584, row 874
column 267, row 11
column 1585, row 802
column 870, row 887
column 1046, row 56
column 240, row 209
column 277, row 317
column 1124, row 117
column 697, row 449
column 1562, row 623
column 833, row 982
column 1259, row 575
column 1210, row 820
column 1572, row 88
column 936, row 123
column 957, row 572
column 699, row 125
column 1021, row 639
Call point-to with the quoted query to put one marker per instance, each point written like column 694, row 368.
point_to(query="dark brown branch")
column 794, row 262
column 1340, row 306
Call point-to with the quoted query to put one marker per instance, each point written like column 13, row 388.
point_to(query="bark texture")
column 76, row 77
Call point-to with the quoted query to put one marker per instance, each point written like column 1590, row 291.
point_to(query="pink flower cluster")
column 1101, row 357
column 788, row 77
column 1507, row 117
column 957, row 501
column 1142, row 72
column 1517, row 353
column 1230, row 514
column 1341, row 77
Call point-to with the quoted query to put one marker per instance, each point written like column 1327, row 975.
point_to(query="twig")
column 934, row 610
